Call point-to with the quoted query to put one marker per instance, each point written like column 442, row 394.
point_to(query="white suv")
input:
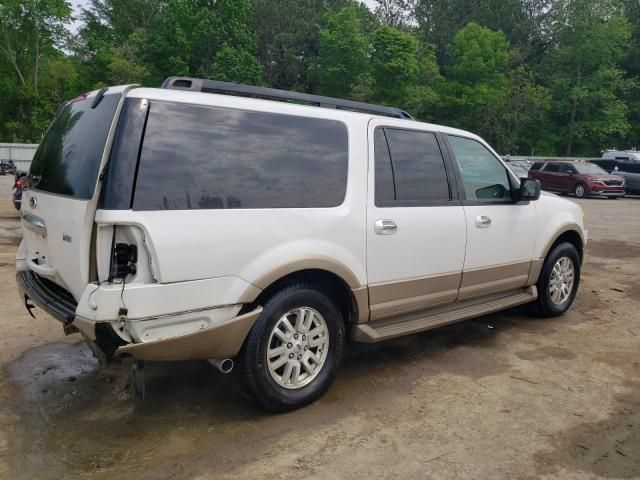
column 197, row 221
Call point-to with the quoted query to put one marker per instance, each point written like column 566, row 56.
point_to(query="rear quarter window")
column 536, row 166
column 197, row 157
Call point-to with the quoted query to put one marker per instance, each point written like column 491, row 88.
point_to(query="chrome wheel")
column 298, row 348
column 580, row 191
column 561, row 281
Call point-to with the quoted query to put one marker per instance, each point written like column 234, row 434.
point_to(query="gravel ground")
column 506, row 396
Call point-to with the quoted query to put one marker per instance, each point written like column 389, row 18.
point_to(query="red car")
column 583, row 179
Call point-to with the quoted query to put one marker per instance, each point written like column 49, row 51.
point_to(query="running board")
column 414, row 322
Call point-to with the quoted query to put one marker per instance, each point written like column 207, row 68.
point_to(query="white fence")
column 20, row 153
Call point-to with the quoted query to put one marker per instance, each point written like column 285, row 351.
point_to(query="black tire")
column 544, row 303
column 580, row 190
column 613, row 198
column 251, row 362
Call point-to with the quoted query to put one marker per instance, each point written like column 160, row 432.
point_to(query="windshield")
column 589, row 169
column 68, row 159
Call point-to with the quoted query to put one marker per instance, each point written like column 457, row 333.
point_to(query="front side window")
column 484, row 177
column 565, row 168
column 409, row 168
column 197, row 157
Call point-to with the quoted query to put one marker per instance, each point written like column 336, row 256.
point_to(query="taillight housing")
column 19, row 184
column 123, row 260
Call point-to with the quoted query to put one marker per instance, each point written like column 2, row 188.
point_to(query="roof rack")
column 214, row 86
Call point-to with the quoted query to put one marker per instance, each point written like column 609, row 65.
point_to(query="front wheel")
column 294, row 349
column 559, row 280
column 580, row 190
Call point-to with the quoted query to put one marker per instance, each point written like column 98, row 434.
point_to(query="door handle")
column 385, row 227
column 483, row 221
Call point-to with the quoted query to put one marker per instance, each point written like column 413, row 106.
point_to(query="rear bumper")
column 48, row 296
column 219, row 341
column 216, row 342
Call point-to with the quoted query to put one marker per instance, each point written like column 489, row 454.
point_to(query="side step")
column 414, row 322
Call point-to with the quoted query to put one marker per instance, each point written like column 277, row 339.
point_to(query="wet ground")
column 507, row 396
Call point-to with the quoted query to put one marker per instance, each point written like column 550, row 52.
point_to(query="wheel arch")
column 569, row 233
column 341, row 283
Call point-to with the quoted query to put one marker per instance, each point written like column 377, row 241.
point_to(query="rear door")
column 566, row 177
column 416, row 230
column 60, row 201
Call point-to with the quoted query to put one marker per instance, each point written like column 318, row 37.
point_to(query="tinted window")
column 203, row 157
column 565, row 168
column 537, row 166
column 384, row 189
column 628, row 167
column 552, row 167
column 68, row 159
column 417, row 167
column 484, row 177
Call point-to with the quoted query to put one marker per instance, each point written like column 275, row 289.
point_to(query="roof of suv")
column 260, row 104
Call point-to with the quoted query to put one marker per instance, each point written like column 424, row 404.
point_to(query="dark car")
column 583, row 179
column 7, row 167
column 627, row 169
column 18, row 185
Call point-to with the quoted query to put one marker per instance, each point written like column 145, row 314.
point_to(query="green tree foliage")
column 590, row 38
column 394, row 65
column 343, row 52
column 531, row 76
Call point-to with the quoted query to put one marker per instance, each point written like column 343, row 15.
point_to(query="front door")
column 500, row 233
column 416, row 231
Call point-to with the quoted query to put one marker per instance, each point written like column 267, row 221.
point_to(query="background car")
column 583, row 179
column 627, row 169
column 519, row 169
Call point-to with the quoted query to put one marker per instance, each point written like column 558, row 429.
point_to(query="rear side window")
column 552, row 167
column 410, row 168
column 68, row 158
column 537, row 166
column 212, row 158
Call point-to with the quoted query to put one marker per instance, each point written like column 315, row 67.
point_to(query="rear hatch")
column 60, row 198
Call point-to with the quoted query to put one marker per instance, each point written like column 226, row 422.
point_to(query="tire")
column 580, row 190
column 255, row 369
column 549, row 303
column 613, row 198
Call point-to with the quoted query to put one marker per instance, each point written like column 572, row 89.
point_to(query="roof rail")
column 214, row 86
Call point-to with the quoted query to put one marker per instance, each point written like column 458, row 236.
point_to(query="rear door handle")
column 385, row 227
column 483, row 221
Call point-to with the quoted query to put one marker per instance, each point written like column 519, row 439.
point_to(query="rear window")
column 68, row 159
column 212, row 158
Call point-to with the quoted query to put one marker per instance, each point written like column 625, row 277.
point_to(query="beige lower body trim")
column 394, row 298
column 361, row 297
column 484, row 281
column 534, row 273
column 217, row 342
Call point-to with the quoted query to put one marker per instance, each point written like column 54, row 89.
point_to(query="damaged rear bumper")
column 214, row 342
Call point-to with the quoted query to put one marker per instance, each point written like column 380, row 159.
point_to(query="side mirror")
column 529, row 189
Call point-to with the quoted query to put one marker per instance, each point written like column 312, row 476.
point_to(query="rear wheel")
column 294, row 349
column 580, row 190
column 559, row 280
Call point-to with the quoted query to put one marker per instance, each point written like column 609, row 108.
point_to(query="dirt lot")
column 507, row 396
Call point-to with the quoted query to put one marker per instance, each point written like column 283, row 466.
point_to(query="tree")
column 476, row 80
column 343, row 52
column 589, row 42
column 394, row 65
column 396, row 13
